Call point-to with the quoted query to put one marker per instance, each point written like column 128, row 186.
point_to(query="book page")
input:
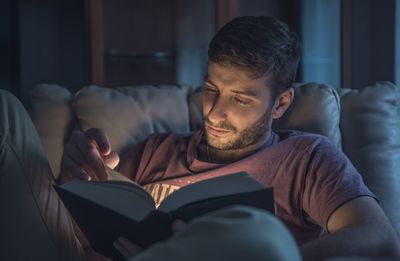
column 126, row 198
column 215, row 187
column 114, row 175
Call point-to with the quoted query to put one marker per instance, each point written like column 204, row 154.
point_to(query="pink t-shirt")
column 310, row 176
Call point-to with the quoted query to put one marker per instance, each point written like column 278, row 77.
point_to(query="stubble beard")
column 251, row 135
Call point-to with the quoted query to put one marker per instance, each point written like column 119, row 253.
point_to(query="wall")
column 9, row 51
column 320, row 35
column 259, row 7
column 52, row 44
column 195, row 26
column 371, row 58
column 139, row 42
column 45, row 41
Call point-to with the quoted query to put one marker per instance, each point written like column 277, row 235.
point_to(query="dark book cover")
column 102, row 225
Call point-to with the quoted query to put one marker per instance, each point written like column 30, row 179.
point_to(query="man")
column 318, row 193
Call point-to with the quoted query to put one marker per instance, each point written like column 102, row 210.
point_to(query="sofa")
column 364, row 123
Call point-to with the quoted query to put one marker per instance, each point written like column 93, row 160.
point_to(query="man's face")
column 236, row 108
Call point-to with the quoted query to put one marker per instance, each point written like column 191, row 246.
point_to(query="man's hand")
column 129, row 249
column 86, row 156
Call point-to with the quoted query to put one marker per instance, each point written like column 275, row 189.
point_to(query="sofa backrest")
column 365, row 123
column 370, row 127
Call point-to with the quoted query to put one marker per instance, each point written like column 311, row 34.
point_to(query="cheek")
column 243, row 119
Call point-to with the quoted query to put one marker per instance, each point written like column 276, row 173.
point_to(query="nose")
column 218, row 110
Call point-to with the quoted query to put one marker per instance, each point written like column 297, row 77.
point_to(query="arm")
column 357, row 228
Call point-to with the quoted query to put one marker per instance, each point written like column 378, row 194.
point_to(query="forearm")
column 356, row 241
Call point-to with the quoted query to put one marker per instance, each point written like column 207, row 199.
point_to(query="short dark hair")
column 261, row 45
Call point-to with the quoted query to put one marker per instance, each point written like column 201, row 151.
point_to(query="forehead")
column 228, row 76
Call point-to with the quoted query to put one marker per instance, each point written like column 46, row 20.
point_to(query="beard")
column 251, row 135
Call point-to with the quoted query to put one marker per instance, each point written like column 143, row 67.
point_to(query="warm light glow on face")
column 237, row 108
column 237, row 139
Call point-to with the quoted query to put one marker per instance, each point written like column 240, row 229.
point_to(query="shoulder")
column 316, row 154
column 328, row 178
column 314, row 149
column 304, row 140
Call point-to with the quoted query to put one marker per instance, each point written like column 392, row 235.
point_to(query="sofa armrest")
column 51, row 113
column 370, row 125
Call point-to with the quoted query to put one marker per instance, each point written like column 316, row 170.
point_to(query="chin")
column 219, row 143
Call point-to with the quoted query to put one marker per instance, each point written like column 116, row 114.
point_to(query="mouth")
column 216, row 131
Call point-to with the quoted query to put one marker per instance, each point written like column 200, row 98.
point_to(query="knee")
column 13, row 116
column 7, row 96
column 240, row 232
column 8, row 100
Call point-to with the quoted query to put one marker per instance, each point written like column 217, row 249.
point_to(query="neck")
column 214, row 155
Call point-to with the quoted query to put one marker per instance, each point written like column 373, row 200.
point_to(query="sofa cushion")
column 129, row 114
column 370, row 125
column 51, row 113
column 316, row 109
column 166, row 105
column 196, row 108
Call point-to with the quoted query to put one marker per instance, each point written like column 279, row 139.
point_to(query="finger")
column 101, row 140
column 94, row 164
column 77, row 159
column 74, row 161
column 111, row 160
column 178, row 225
column 72, row 170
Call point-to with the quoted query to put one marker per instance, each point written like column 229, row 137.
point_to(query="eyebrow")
column 237, row 91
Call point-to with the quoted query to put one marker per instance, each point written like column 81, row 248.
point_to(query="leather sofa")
column 364, row 123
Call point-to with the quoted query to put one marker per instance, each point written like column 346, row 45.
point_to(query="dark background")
column 128, row 42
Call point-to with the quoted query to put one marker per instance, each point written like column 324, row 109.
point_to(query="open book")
column 106, row 210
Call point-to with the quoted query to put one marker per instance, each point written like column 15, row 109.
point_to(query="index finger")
column 94, row 164
column 101, row 140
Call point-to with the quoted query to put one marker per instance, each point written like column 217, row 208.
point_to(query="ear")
column 282, row 103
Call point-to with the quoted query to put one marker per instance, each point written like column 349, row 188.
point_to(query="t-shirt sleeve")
column 331, row 180
column 130, row 160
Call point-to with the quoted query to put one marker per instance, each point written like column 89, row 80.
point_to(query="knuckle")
column 94, row 133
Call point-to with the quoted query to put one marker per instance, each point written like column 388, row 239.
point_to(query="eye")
column 241, row 101
column 211, row 89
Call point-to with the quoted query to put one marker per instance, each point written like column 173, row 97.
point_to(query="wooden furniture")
column 132, row 41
